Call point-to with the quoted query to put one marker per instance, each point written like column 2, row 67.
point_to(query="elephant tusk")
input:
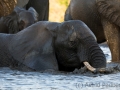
column 89, row 67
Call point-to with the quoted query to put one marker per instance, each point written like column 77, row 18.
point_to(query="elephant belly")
column 67, row 60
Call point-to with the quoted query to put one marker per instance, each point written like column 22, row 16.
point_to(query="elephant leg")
column 112, row 34
column 46, row 15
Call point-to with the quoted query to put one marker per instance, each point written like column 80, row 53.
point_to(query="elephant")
column 18, row 20
column 52, row 45
column 102, row 17
column 41, row 6
column 7, row 6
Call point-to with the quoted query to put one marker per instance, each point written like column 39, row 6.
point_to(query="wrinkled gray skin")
column 51, row 45
column 102, row 17
column 18, row 20
column 41, row 6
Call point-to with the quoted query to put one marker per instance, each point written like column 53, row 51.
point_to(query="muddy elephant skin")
column 18, row 20
column 51, row 45
column 102, row 17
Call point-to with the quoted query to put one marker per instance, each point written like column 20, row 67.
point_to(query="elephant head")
column 7, row 6
column 20, row 19
column 76, row 45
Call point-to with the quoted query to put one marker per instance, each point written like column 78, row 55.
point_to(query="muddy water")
column 17, row 80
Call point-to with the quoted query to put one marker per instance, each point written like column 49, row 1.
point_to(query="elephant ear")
column 110, row 9
column 7, row 6
column 11, row 21
column 34, row 12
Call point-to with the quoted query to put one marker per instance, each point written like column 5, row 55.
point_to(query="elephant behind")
column 41, row 6
column 18, row 20
column 102, row 17
column 86, row 11
column 52, row 45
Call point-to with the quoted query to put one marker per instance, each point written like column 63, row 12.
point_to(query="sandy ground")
column 57, row 11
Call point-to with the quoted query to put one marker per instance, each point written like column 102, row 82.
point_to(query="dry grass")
column 57, row 10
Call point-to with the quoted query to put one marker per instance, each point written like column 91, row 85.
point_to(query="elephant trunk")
column 95, row 56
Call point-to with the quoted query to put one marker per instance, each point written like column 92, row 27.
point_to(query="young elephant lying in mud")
column 51, row 45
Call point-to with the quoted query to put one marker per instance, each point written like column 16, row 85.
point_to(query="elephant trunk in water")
column 7, row 6
column 95, row 56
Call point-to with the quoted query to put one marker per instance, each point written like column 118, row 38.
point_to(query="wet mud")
column 51, row 80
